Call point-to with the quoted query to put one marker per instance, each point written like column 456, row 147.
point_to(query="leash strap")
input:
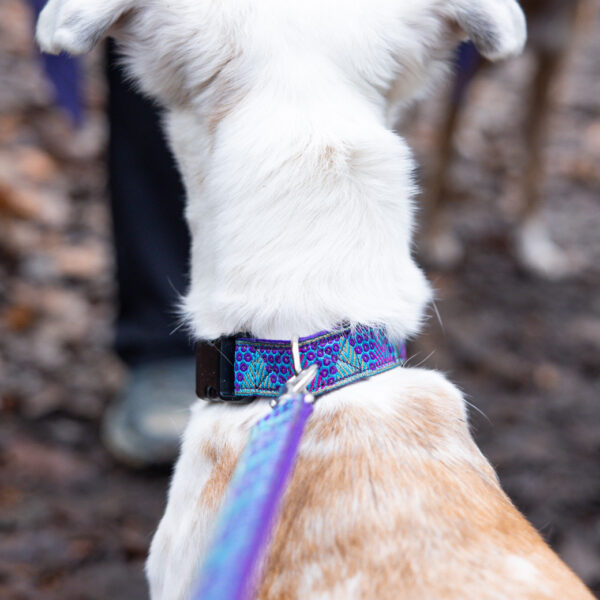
column 244, row 526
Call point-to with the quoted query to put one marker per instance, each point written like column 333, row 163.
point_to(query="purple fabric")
column 64, row 73
column 246, row 520
column 261, row 367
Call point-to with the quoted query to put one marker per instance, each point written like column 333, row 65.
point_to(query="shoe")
column 142, row 427
column 442, row 250
column 539, row 254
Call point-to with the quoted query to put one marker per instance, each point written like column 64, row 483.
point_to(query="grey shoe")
column 143, row 426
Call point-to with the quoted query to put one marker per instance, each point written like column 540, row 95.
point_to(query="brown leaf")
column 47, row 463
column 17, row 317
column 81, row 262
column 35, row 164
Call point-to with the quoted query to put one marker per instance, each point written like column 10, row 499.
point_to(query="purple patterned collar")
column 262, row 367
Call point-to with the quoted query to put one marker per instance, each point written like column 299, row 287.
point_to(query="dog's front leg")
column 212, row 443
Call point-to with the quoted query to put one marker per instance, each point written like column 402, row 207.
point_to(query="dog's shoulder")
column 407, row 404
column 391, row 498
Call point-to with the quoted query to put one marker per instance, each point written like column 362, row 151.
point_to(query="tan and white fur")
column 300, row 205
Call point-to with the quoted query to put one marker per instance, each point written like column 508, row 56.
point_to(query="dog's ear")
column 496, row 27
column 76, row 26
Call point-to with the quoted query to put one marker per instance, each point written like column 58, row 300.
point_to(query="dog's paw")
column 75, row 26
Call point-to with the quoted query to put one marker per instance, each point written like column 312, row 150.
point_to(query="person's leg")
column 151, row 243
column 440, row 246
column 150, row 235
column 550, row 38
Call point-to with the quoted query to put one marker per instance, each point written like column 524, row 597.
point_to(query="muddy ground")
column 75, row 525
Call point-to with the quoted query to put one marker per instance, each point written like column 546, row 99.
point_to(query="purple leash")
column 243, row 531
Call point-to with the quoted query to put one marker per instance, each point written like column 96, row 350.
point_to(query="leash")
column 236, row 370
column 259, row 481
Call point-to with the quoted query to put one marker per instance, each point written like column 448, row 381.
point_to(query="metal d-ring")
column 296, row 355
column 302, row 378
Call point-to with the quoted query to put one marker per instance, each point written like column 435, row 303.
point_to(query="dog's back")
column 390, row 500
column 412, row 510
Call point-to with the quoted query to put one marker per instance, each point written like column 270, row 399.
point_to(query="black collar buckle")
column 215, row 371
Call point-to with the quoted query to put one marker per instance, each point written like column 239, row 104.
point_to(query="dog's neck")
column 301, row 218
column 299, row 195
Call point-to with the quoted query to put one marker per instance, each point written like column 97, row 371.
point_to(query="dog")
column 300, row 207
column 551, row 26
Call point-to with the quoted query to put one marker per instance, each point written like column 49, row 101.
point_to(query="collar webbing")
column 241, row 368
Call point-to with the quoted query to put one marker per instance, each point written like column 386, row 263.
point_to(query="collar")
column 238, row 369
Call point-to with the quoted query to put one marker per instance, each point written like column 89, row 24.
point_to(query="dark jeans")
column 150, row 235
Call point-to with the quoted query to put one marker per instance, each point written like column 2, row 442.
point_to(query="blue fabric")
column 64, row 73
column 468, row 60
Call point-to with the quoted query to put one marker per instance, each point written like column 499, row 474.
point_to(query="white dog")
column 300, row 209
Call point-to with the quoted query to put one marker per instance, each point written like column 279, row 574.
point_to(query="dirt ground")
column 75, row 525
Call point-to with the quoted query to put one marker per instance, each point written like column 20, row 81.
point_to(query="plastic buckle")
column 215, row 371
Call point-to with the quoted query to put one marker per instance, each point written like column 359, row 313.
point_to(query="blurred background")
column 524, row 348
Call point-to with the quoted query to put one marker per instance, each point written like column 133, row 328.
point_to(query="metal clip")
column 296, row 355
column 297, row 385
column 301, row 380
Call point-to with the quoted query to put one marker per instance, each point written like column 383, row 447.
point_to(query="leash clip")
column 299, row 383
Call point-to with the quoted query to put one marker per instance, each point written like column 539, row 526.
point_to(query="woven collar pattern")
column 262, row 367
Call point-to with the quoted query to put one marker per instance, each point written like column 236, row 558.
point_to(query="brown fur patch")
column 224, row 460
column 400, row 508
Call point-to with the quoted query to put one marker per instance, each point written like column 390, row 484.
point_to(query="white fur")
column 185, row 528
column 300, row 197
column 504, row 38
